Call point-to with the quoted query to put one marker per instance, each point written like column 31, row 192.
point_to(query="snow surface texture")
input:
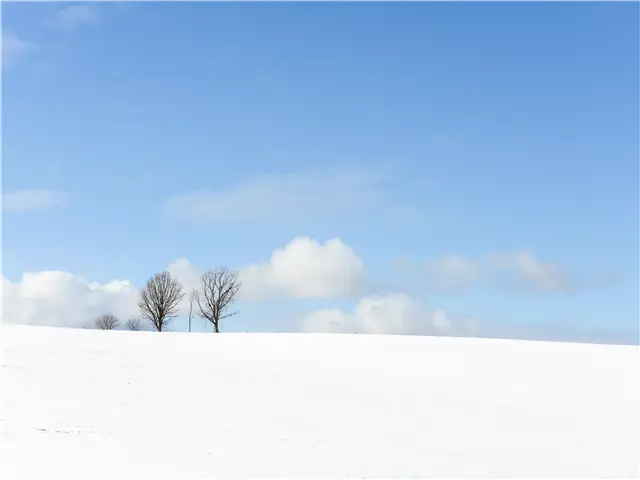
column 83, row 404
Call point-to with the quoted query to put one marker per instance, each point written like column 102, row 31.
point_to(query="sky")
column 417, row 168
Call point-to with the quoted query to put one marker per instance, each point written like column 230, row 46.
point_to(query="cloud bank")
column 302, row 269
column 55, row 298
column 395, row 313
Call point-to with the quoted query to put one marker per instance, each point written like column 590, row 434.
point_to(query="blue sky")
column 412, row 132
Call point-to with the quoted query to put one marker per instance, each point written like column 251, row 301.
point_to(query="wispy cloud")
column 519, row 270
column 15, row 48
column 75, row 15
column 292, row 195
column 23, row 201
column 529, row 272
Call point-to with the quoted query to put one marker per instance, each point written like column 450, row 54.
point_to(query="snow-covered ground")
column 83, row 404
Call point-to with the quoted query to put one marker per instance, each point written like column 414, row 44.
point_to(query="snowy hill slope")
column 88, row 404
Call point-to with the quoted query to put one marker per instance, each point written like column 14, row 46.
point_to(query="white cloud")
column 294, row 195
column 55, row 298
column 22, row 201
column 186, row 273
column 14, row 48
column 396, row 313
column 305, row 268
column 75, row 15
column 440, row 321
column 517, row 269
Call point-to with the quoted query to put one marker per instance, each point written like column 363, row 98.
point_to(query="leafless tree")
column 217, row 293
column 106, row 322
column 134, row 324
column 193, row 295
column 160, row 299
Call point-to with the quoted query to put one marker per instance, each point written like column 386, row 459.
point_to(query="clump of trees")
column 106, row 322
column 160, row 300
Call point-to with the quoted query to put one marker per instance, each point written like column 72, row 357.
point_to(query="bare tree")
column 160, row 299
column 134, row 324
column 106, row 322
column 193, row 295
column 218, row 291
